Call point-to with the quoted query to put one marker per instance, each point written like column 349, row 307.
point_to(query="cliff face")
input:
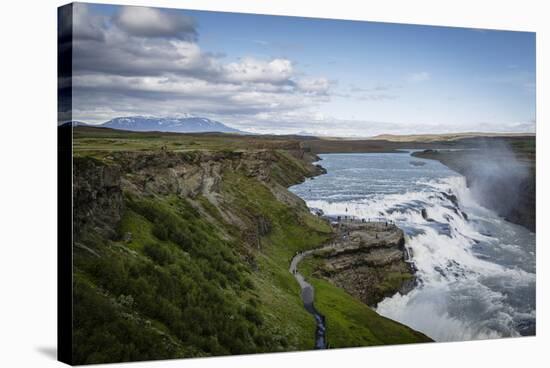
column 368, row 260
column 498, row 178
column 97, row 197
column 99, row 184
column 205, row 180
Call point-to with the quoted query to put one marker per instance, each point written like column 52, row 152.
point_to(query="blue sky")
column 288, row 74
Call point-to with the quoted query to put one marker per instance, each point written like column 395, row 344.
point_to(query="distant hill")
column 74, row 123
column 187, row 124
column 443, row 137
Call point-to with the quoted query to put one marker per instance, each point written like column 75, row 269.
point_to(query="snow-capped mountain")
column 183, row 124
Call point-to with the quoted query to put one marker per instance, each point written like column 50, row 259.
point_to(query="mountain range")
column 185, row 124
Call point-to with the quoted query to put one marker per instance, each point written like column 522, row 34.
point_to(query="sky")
column 286, row 75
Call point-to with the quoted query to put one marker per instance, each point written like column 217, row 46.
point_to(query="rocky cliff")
column 368, row 260
column 99, row 184
column 499, row 179
column 97, row 197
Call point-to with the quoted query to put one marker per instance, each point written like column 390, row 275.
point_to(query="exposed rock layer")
column 368, row 260
column 502, row 181
column 97, row 197
column 99, row 184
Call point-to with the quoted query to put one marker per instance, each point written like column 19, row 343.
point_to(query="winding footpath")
column 307, row 290
column 308, row 293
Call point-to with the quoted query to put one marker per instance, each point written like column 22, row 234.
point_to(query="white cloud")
column 530, row 86
column 179, row 94
column 314, row 85
column 253, row 70
column 170, row 75
column 419, row 77
column 144, row 62
column 149, row 22
column 86, row 25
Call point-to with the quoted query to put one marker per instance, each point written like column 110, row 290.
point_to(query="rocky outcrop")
column 99, row 184
column 97, row 197
column 368, row 260
column 199, row 172
column 498, row 179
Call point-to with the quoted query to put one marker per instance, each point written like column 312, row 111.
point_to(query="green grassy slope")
column 175, row 289
column 350, row 322
column 185, row 276
column 174, row 281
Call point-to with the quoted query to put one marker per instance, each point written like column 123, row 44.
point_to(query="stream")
column 308, row 294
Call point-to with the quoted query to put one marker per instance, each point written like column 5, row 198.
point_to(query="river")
column 476, row 271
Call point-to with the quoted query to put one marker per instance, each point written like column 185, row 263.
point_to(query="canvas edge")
column 64, row 187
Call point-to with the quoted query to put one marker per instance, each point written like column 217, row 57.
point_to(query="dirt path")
column 308, row 296
column 307, row 291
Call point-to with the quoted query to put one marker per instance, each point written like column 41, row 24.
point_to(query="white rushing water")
column 476, row 272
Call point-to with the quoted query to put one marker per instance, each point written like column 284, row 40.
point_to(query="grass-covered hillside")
column 185, row 252
column 350, row 322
